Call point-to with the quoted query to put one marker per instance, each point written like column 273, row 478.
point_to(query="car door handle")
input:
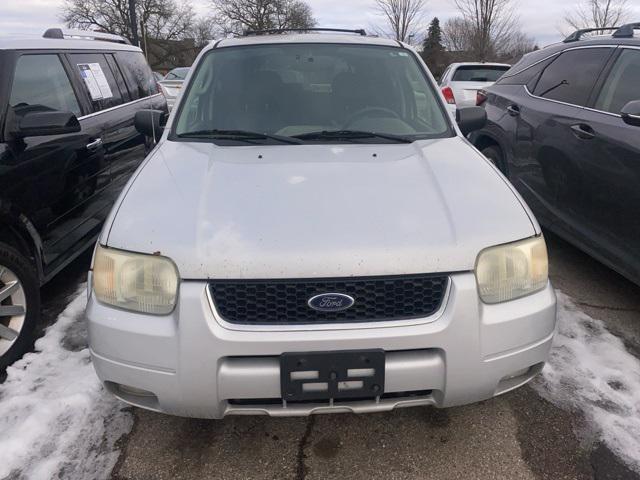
column 583, row 131
column 97, row 143
column 513, row 110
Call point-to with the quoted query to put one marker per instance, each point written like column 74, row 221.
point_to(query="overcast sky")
column 539, row 18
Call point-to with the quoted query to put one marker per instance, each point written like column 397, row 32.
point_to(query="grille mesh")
column 281, row 302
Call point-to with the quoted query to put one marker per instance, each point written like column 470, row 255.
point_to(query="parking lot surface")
column 579, row 420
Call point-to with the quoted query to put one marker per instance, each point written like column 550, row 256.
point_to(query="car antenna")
column 153, row 128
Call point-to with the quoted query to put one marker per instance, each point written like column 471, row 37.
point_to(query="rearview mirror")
column 631, row 113
column 470, row 119
column 150, row 123
column 35, row 124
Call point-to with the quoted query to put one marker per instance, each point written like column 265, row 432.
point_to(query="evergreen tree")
column 433, row 52
column 433, row 40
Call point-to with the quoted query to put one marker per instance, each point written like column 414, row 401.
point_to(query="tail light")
column 448, row 95
column 481, row 97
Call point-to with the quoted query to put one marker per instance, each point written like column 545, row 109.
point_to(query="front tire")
column 19, row 305
column 494, row 155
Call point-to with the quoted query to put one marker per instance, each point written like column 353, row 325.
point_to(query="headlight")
column 134, row 281
column 513, row 270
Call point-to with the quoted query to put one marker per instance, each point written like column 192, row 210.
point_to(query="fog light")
column 518, row 378
column 517, row 374
column 138, row 392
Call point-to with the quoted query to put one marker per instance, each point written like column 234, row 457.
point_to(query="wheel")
column 19, row 305
column 494, row 154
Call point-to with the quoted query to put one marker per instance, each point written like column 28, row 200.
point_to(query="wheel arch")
column 18, row 232
column 484, row 139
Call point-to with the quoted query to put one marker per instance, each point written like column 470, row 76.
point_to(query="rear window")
column 137, row 74
column 473, row 73
column 177, row 74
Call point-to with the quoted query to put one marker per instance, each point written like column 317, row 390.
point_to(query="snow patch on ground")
column 56, row 420
column 590, row 370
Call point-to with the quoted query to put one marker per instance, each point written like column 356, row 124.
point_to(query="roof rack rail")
column 84, row 35
column 575, row 36
column 273, row 31
column 626, row 31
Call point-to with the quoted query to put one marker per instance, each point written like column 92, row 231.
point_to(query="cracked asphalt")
column 516, row 436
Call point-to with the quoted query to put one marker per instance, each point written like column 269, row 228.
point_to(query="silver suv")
column 313, row 234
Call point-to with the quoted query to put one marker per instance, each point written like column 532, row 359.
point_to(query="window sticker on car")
column 95, row 81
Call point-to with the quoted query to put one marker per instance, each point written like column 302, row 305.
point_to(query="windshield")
column 177, row 74
column 321, row 93
column 471, row 73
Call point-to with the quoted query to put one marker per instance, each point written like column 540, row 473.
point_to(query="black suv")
column 564, row 127
column 67, row 147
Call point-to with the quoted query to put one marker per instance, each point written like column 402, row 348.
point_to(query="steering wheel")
column 364, row 112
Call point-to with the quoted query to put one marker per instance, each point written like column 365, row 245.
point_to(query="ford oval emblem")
column 331, row 302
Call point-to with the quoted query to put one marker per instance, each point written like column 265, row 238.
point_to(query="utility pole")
column 143, row 31
column 133, row 21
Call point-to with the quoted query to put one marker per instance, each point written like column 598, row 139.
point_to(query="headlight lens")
column 134, row 281
column 511, row 271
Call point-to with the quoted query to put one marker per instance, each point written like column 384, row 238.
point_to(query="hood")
column 317, row 210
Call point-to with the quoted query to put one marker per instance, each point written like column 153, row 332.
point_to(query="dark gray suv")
column 564, row 126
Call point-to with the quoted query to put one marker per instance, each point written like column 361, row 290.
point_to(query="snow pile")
column 57, row 421
column 589, row 369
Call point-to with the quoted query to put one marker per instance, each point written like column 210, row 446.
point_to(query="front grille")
column 284, row 302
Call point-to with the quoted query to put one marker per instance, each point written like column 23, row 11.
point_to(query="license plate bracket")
column 332, row 375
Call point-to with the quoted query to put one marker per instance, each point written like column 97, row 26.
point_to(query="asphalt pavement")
column 519, row 435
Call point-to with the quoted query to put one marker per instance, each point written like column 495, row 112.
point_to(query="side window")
column 571, row 77
column 527, row 77
column 41, row 83
column 622, row 85
column 99, row 81
column 137, row 74
column 126, row 97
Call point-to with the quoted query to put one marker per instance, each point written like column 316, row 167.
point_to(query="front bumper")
column 191, row 363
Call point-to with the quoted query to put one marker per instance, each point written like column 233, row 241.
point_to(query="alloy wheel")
column 13, row 308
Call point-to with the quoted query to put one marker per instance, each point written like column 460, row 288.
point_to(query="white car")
column 461, row 82
column 171, row 84
column 314, row 234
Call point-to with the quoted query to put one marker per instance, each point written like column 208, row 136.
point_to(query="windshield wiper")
column 241, row 135
column 562, row 83
column 351, row 134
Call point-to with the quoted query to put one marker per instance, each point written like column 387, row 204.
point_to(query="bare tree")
column 515, row 46
column 598, row 14
column 162, row 19
column 204, row 31
column 457, row 35
column 492, row 23
column 403, row 17
column 235, row 16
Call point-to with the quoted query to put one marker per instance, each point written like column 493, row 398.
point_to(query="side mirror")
column 150, row 123
column 37, row 124
column 631, row 113
column 470, row 119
